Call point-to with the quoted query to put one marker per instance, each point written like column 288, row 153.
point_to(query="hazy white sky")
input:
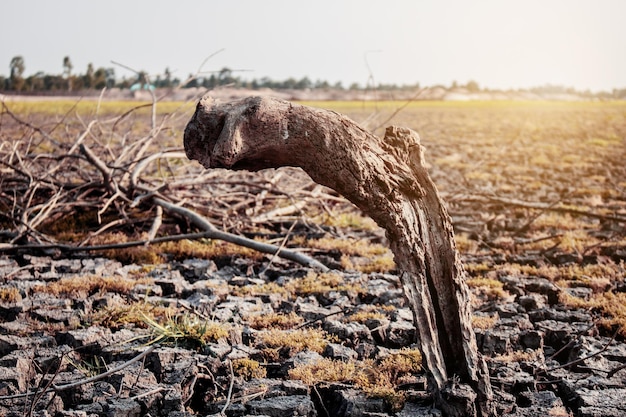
column 498, row 43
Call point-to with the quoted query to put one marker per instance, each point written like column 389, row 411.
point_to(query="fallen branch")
column 213, row 233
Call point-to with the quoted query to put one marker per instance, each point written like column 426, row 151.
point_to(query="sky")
column 499, row 44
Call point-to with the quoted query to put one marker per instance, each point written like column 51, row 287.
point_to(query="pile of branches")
column 120, row 171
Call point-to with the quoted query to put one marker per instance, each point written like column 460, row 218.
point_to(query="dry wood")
column 214, row 233
column 113, row 177
column 387, row 179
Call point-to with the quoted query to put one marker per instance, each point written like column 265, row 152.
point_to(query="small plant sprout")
column 185, row 329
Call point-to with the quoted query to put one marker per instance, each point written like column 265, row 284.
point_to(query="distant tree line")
column 99, row 78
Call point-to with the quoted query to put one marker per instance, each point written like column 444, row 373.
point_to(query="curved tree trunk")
column 387, row 179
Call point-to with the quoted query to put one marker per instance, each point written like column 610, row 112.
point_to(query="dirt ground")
column 537, row 194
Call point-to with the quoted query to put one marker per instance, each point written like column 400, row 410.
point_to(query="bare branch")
column 213, row 233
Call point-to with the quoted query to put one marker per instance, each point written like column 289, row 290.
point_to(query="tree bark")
column 387, row 179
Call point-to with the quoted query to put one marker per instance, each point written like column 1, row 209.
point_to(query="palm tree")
column 89, row 76
column 67, row 70
column 17, row 70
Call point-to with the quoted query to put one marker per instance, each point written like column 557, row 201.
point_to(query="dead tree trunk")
column 387, row 179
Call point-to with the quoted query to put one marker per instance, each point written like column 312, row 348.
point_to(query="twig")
column 579, row 360
column 71, row 385
column 613, row 371
column 156, row 224
column 230, row 388
column 281, row 247
column 308, row 323
column 571, row 342
column 144, row 163
column 151, row 392
column 399, row 109
column 100, row 165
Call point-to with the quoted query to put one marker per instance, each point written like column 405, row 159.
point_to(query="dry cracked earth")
column 537, row 197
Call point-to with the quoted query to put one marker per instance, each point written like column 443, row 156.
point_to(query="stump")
column 387, row 179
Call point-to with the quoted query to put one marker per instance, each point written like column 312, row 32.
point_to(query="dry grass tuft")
column 489, row 287
column 120, row 316
column 359, row 247
column 10, row 295
column 90, row 284
column 365, row 315
column 259, row 289
column 320, row 283
column 248, row 369
column 275, row 343
column 274, row 321
column 519, row 356
column 612, row 305
column 206, row 249
column 378, row 380
column 484, row 322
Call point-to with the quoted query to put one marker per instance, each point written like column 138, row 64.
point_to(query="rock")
column 508, row 310
column 235, row 306
column 378, row 329
column 531, row 302
column 601, row 403
column 366, row 350
column 538, row 404
column 99, row 266
column 9, row 310
column 214, row 287
column 343, row 401
column 241, row 351
column 531, row 339
column 517, row 322
column 17, row 368
column 568, row 316
column 71, row 413
column 383, row 289
column 15, row 377
column 123, row 407
column 543, row 286
column 340, row 352
column 414, row 410
column 292, row 406
column 196, row 269
column 163, row 359
column 172, row 403
column 67, row 316
column 495, row 341
column 202, row 302
column 294, row 388
column 134, row 375
column 171, row 282
column 92, row 408
column 48, row 359
column 305, row 357
column 311, row 312
column 91, row 339
column 195, row 382
column 580, row 292
column 99, row 391
column 353, row 332
column 9, row 343
column 400, row 334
